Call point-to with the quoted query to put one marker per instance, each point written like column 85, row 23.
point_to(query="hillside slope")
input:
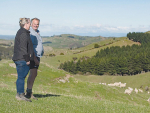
column 70, row 96
column 70, row 41
column 85, row 51
column 60, row 92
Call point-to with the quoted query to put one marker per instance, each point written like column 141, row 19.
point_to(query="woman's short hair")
column 35, row 19
column 23, row 21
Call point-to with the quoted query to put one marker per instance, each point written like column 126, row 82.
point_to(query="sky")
column 79, row 17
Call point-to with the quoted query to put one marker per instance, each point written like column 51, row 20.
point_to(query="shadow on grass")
column 43, row 96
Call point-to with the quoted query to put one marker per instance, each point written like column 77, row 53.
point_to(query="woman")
column 23, row 54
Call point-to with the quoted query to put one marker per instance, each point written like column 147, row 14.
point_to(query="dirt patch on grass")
column 14, row 75
column 97, row 96
column 3, row 85
column 63, row 79
column 12, row 65
column 46, row 64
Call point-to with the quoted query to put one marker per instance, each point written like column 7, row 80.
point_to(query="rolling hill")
column 70, row 41
column 61, row 92
column 83, row 51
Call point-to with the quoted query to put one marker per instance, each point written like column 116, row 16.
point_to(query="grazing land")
column 61, row 92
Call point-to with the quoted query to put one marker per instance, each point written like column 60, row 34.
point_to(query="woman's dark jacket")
column 23, row 47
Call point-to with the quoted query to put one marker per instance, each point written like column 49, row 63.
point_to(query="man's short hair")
column 35, row 19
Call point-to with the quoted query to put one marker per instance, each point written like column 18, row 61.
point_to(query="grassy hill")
column 70, row 41
column 73, row 96
column 60, row 92
column 84, row 51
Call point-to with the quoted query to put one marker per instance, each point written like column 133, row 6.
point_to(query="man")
column 38, row 50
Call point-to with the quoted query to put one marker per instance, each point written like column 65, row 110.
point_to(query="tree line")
column 125, row 60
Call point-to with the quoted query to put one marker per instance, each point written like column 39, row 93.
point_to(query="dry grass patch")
column 12, row 65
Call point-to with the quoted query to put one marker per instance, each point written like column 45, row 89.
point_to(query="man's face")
column 35, row 24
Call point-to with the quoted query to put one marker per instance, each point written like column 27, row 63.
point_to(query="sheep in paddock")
column 122, row 85
column 103, row 83
column 136, row 90
column 128, row 91
column 130, row 88
column 117, row 84
column 140, row 90
column 111, row 84
column 146, row 88
column 148, row 100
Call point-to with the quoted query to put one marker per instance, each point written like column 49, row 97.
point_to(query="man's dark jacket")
column 23, row 47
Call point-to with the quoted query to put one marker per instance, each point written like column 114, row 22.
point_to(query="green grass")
column 135, row 81
column 81, row 94
column 102, row 43
column 76, row 96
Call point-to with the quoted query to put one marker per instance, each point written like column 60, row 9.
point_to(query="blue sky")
column 80, row 17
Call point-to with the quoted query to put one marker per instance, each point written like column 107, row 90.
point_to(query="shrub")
column 51, row 55
column 61, row 53
column 96, row 46
column 74, row 58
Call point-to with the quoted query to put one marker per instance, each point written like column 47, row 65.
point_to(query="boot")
column 29, row 94
column 21, row 96
column 33, row 97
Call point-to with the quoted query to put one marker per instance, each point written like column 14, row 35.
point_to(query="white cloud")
column 50, row 29
column 97, row 28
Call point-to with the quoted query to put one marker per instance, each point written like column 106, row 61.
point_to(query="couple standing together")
column 28, row 49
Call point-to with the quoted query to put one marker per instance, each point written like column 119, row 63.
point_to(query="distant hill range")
column 7, row 37
column 70, row 41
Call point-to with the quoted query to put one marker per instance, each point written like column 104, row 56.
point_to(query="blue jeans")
column 22, row 71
